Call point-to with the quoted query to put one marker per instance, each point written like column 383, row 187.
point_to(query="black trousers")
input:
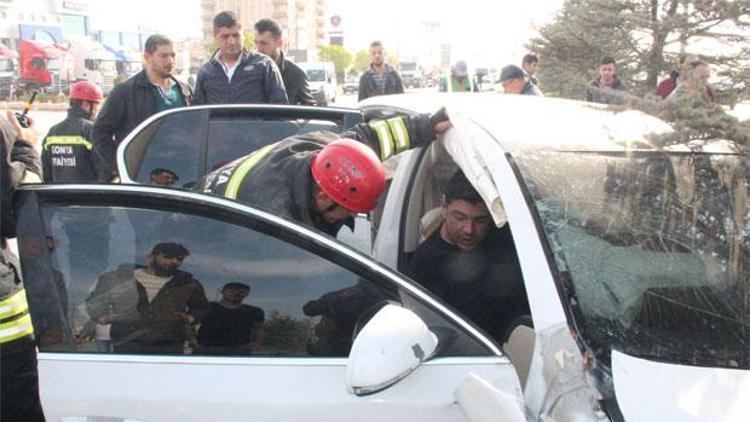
column 19, row 385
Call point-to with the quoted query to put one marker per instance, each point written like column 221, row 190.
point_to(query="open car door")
column 365, row 340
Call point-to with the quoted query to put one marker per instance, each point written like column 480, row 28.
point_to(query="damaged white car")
column 633, row 253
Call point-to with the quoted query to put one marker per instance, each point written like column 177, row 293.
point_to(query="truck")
column 8, row 64
column 40, row 66
column 411, row 74
column 91, row 62
column 322, row 79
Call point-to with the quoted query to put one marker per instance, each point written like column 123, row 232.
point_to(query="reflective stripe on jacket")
column 15, row 321
column 67, row 150
column 277, row 178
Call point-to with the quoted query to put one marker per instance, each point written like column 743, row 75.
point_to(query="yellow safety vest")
column 15, row 320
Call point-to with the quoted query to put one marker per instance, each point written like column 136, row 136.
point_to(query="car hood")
column 649, row 390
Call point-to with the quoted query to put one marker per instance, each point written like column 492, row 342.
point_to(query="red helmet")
column 86, row 91
column 350, row 174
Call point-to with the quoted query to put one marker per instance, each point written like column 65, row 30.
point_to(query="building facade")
column 302, row 21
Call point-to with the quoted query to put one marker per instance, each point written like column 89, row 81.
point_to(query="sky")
column 482, row 32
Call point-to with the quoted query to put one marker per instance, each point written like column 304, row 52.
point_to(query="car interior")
column 423, row 215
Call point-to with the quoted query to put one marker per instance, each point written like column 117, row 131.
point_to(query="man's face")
column 161, row 61
column 513, row 86
column 162, row 179
column 607, row 73
column 267, row 44
column 530, row 68
column 466, row 223
column 235, row 295
column 377, row 55
column 165, row 265
column 330, row 211
column 229, row 40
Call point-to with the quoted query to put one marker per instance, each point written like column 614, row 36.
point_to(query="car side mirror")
column 388, row 348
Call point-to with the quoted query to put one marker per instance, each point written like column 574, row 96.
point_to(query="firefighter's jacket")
column 277, row 177
column 67, row 154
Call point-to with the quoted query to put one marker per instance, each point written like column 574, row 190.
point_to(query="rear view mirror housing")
column 389, row 347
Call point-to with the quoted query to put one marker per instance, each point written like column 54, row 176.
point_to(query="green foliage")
column 338, row 55
column 644, row 37
column 286, row 335
column 361, row 61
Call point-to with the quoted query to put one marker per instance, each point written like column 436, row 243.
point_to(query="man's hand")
column 440, row 122
column 186, row 317
column 27, row 134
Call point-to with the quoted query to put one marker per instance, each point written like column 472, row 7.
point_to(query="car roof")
column 522, row 122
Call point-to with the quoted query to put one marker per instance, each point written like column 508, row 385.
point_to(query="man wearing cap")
column 513, row 80
column 230, row 326
column 458, row 80
column 323, row 179
column 149, row 307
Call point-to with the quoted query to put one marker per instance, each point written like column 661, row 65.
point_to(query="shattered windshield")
column 651, row 249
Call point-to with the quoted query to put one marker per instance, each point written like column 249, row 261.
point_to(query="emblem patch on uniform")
column 249, row 68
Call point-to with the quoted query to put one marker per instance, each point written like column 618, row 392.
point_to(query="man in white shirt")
column 149, row 307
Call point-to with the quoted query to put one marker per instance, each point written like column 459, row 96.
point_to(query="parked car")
column 633, row 249
column 351, row 86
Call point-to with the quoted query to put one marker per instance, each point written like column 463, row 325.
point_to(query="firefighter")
column 67, row 157
column 67, row 149
column 323, row 179
column 19, row 384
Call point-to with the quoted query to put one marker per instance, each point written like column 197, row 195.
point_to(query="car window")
column 134, row 280
column 192, row 142
column 171, row 142
column 232, row 136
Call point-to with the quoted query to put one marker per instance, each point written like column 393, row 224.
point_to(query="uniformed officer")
column 19, row 385
column 67, row 149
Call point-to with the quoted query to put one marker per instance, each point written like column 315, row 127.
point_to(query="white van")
column 322, row 79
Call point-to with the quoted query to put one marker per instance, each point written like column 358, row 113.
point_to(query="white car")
column 634, row 255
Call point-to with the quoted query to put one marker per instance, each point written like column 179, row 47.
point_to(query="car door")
column 85, row 251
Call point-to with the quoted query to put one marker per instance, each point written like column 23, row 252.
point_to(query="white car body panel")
column 695, row 393
column 185, row 389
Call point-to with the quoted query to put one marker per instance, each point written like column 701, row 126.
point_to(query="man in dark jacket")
column 234, row 75
column 323, row 179
column 19, row 385
column 66, row 151
column 269, row 42
column 67, row 158
column 607, row 88
column 472, row 264
column 380, row 78
column 149, row 307
column 152, row 90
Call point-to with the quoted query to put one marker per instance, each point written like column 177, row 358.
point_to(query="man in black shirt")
column 230, row 326
column 472, row 264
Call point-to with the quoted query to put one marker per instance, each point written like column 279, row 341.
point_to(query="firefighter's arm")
column 395, row 135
